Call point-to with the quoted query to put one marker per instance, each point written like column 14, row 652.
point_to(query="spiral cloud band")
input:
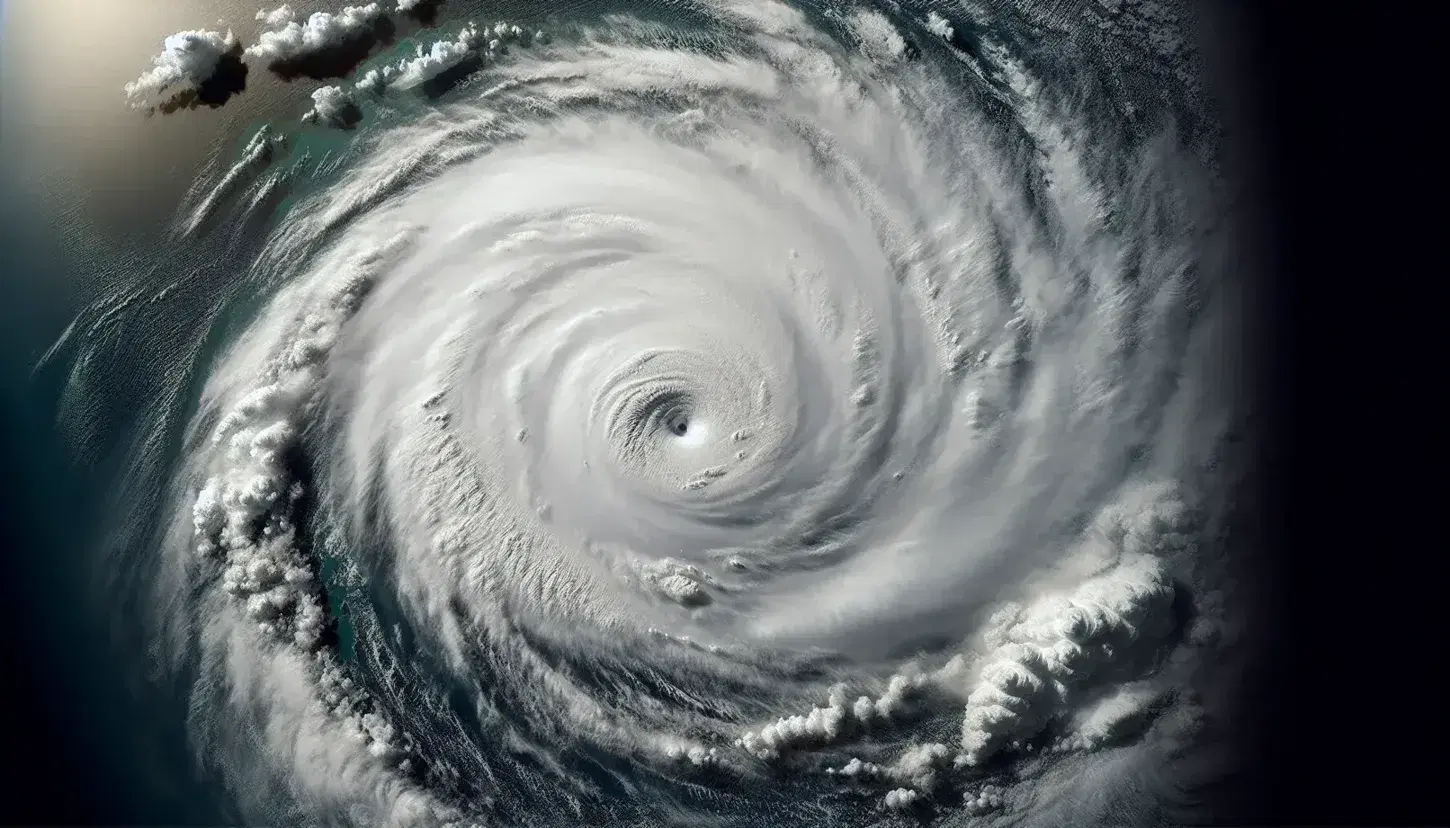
column 775, row 413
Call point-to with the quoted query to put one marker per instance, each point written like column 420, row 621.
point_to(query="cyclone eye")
column 678, row 424
column 667, row 413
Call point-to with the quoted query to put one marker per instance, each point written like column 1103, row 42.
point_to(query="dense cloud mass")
column 815, row 415
column 324, row 45
column 333, row 106
column 193, row 67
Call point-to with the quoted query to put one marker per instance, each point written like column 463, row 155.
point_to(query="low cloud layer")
column 443, row 64
column 259, row 153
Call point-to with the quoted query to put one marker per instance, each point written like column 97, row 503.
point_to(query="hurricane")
column 697, row 413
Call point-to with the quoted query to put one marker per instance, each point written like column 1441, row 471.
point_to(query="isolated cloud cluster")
column 901, row 799
column 333, row 106
column 444, row 61
column 324, row 45
column 939, row 26
column 988, row 798
column 442, row 56
column 207, row 67
column 189, row 62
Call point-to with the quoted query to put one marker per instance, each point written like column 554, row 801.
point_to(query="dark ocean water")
column 95, row 746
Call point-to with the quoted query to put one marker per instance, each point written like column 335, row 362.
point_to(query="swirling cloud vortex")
column 763, row 404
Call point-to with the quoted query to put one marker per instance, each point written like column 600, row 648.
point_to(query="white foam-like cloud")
column 1116, row 715
column 287, row 41
column 376, row 80
column 839, row 718
column 334, row 106
column 900, row 799
column 473, row 43
column 1060, row 643
column 242, row 513
column 442, row 56
column 857, row 769
column 987, row 798
column 1101, row 616
column 920, row 766
column 920, row 769
column 681, row 583
column 820, row 726
column 939, row 25
column 187, row 60
column 878, row 37
column 276, row 18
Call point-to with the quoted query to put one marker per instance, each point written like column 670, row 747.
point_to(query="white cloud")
column 442, row 56
column 334, row 106
column 878, row 37
column 838, row 719
column 187, row 60
column 682, row 583
column 1101, row 617
column 285, row 41
column 939, row 26
column 1078, row 631
column 276, row 18
column 1060, row 643
column 988, row 798
column 901, row 799
column 822, row 725
column 242, row 512
column 376, row 80
column 1116, row 715
column 920, row 766
column 856, row 769
column 472, row 43
column 262, row 567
